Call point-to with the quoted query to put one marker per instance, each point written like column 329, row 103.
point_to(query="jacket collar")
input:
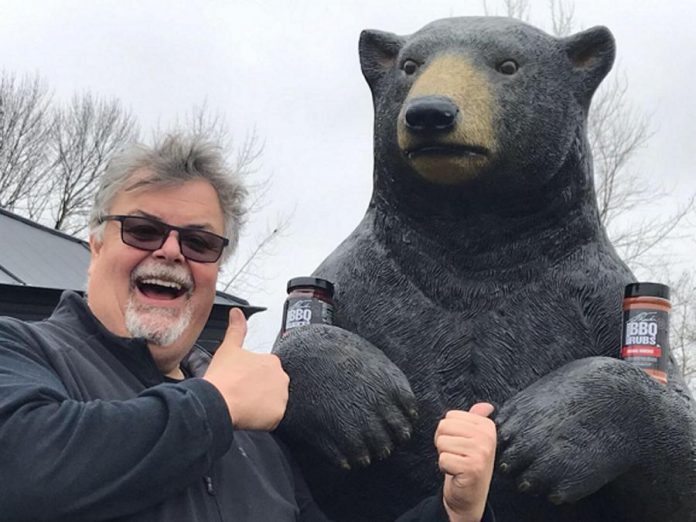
column 73, row 312
column 133, row 352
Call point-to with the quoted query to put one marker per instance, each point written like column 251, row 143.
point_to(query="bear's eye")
column 508, row 67
column 409, row 67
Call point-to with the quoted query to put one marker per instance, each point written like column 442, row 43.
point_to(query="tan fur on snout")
column 454, row 77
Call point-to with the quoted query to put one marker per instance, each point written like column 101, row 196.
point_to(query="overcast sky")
column 289, row 69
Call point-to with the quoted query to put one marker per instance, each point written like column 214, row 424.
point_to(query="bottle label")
column 645, row 340
column 303, row 311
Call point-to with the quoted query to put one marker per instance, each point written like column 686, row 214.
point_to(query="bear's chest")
column 490, row 347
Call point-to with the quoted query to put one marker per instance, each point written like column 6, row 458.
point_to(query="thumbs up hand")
column 466, row 444
column 254, row 385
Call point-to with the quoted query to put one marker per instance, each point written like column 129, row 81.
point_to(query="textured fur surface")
column 481, row 272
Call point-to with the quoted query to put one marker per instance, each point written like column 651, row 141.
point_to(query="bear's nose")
column 431, row 113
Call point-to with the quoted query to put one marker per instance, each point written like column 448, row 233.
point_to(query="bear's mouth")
column 473, row 151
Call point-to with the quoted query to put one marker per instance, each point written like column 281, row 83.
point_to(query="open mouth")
column 163, row 289
column 473, row 151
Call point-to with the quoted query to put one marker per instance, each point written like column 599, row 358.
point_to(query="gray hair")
column 173, row 160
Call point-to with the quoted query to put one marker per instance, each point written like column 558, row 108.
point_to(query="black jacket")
column 89, row 431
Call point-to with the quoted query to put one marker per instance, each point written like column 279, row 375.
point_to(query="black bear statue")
column 481, row 272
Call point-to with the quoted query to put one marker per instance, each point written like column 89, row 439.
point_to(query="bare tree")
column 85, row 135
column 50, row 154
column 25, row 131
column 683, row 327
column 514, row 8
column 240, row 273
column 562, row 14
column 617, row 132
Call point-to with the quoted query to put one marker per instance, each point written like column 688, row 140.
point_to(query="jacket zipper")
column 209, row 485
column 210, row 489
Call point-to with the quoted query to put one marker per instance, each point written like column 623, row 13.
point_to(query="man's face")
column 159, row 295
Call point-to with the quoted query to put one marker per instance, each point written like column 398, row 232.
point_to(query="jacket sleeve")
column 429, row 510
column 309, row 510
column 433, row 509
column 62, row 459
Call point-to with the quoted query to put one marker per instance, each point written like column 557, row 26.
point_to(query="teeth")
column 162, row 282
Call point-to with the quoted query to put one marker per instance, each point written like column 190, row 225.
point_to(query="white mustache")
column 175, row 273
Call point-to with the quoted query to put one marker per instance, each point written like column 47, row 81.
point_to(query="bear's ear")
column 591, row 53
column 378, row 52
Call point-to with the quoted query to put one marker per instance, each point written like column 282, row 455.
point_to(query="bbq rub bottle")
column 309, row 301
column 645, row 335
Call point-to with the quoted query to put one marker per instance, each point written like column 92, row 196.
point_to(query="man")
column 101, row 415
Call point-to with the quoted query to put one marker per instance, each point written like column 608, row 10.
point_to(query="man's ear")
column 95, row 245
column 378, row 53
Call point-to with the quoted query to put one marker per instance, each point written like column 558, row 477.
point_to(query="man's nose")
column 170, row 250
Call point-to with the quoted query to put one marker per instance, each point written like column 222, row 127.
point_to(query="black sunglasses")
column 150, row 234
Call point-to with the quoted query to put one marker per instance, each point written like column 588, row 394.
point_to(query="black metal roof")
column 41, row 257
column 35, row 255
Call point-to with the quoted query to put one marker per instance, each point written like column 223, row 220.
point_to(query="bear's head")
column 486, row 107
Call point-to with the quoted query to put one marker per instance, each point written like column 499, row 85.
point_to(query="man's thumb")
column 236, row 328
column 483, row 409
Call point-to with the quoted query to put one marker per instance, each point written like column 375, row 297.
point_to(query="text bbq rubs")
column 645, row 335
